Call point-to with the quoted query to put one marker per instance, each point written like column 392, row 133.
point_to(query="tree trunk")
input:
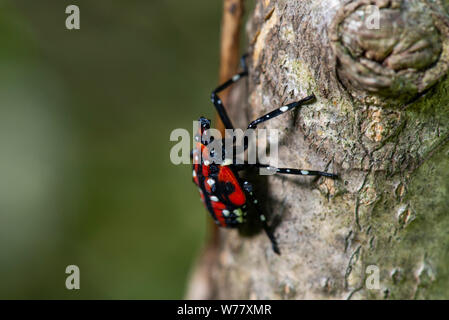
column 380, row 120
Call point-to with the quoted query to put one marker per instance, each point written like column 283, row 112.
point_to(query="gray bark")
column 380, row 120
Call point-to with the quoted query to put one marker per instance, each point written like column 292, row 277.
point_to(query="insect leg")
column 218, row 103
column 274, row 114
column 301, row 172
column 279, row 111
column 250, row 192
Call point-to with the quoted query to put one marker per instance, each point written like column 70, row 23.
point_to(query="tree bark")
column 380, row 120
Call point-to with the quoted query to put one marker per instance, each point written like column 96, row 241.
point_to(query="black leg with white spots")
column 218, row 103
column 263, row 219
column 274, row 170
column 301, row 172
column 279, row 111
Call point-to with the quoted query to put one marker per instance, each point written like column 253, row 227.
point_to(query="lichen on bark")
column 390, row 206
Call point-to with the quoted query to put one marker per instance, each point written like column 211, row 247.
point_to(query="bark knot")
column 388, row 52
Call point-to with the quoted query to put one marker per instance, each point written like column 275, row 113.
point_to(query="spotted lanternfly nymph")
column 225, row 194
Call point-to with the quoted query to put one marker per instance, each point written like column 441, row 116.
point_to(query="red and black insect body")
column 225, row 194
column 219, row 185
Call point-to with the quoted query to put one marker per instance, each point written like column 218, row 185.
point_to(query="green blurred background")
column 85, row 120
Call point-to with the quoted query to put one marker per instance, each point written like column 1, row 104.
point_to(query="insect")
column 225, row 194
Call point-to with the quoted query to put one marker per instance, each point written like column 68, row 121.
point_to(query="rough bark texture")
column 381, row 121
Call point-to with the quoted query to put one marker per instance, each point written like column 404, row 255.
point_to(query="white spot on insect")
column 210, row 182
column 238, row 212
column 219, row 101
column 239, row 219
column 255, row 201
column 284, row 108
column 236, row 77
column 194, row 173
column 196, row 158
column 262, row 217
column 267, row 116
column 214, row 198
column 225, row 212
column 288, row 170
column 206, row 162
column 305, row 172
